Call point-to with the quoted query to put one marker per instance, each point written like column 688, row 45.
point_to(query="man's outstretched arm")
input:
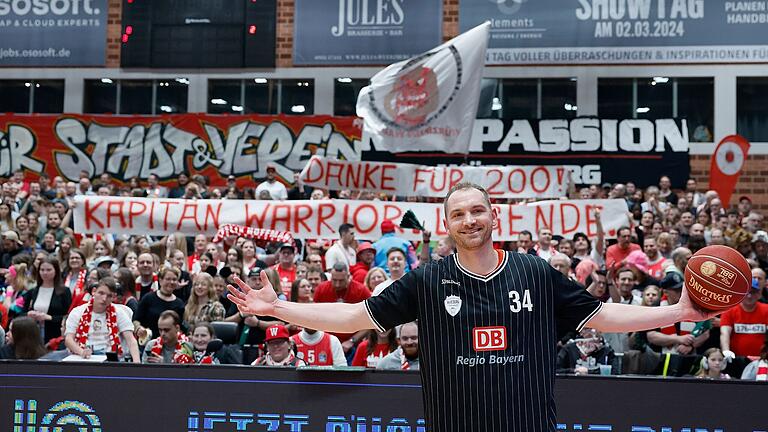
column 622, row 318
column 332, row 317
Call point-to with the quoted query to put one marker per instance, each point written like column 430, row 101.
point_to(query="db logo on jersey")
column 489, row 338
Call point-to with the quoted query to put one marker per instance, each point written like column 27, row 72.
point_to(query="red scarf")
column 404, row 363
column 80, row 284
column 153, row 287
column 181, row 354
column 84, row 327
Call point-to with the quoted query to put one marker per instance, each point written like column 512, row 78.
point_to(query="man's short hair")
column 111, row 284
column 733, row 212
column 625, row 269
column 345, row 227
column 170, row 314
column 340, row 267
column 560, row 255
column 399, row 328
column 462, row 186
column 526, row 233
column 314, row 268
column 618, row 231
column 393, row 250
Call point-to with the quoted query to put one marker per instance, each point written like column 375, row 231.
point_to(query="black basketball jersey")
column 487, row 344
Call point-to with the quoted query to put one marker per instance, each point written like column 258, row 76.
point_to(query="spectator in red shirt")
column 342, row 289
column 618, row 252
column 743, row 328
column 286, row 267
column 375, row 347
column 365, row 256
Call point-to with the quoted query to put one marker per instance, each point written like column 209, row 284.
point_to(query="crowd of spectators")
column 163, row 299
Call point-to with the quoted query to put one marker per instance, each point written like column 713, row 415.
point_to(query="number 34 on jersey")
column 516, row 304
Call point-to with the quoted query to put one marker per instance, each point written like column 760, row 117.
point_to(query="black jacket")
column 57, row 309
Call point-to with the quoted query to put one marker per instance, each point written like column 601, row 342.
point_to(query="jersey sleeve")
column 574, row 306
column 397, row 304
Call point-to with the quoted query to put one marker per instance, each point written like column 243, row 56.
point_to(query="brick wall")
column 114, row 33
column 754, row 180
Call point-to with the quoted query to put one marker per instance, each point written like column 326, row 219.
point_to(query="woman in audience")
column 374, row 277
column 22, row 341
column 50, row 300
column 76, row 273
column 203, row 304
column 375, row 347
column 301, row 291
column 712, row 365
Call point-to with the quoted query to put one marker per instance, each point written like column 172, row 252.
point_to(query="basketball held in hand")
column 717, row 278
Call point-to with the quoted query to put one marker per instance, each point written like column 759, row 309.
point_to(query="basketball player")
column 488, row 321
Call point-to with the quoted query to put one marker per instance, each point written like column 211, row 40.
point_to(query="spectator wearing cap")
column 286, row 267
column 617, row 253
column 676, row 338
column 279, row 349
column 366, row 253
column 342, row 289
column 276, row 189
column 638, row 262
column 743, row 328
column 11, row 247
column 389, row 240
column 342, row 251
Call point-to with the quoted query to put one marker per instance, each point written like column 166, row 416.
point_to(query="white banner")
column 321, row 219
column 429, row 102
column 420, row 180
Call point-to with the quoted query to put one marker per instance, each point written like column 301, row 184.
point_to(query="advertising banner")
column 373, row 32
column 50, row 396
column 594, row 150
column 53, row 33
column 539, row 181
column 321, row 218
column 620, row 31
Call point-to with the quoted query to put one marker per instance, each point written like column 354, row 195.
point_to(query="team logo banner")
column 430, row 101
column 321, row 218
column 427, row 181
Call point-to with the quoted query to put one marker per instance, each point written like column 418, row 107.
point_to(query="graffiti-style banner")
column 321, row 218
column 421, row 180
column 138, row 146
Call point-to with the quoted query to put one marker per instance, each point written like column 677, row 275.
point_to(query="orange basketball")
column 717, row 277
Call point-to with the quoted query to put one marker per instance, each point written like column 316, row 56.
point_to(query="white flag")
column 429, row 102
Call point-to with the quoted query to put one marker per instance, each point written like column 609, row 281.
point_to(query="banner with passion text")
column 321, row 218
column 427, row 181
column 620, row 31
